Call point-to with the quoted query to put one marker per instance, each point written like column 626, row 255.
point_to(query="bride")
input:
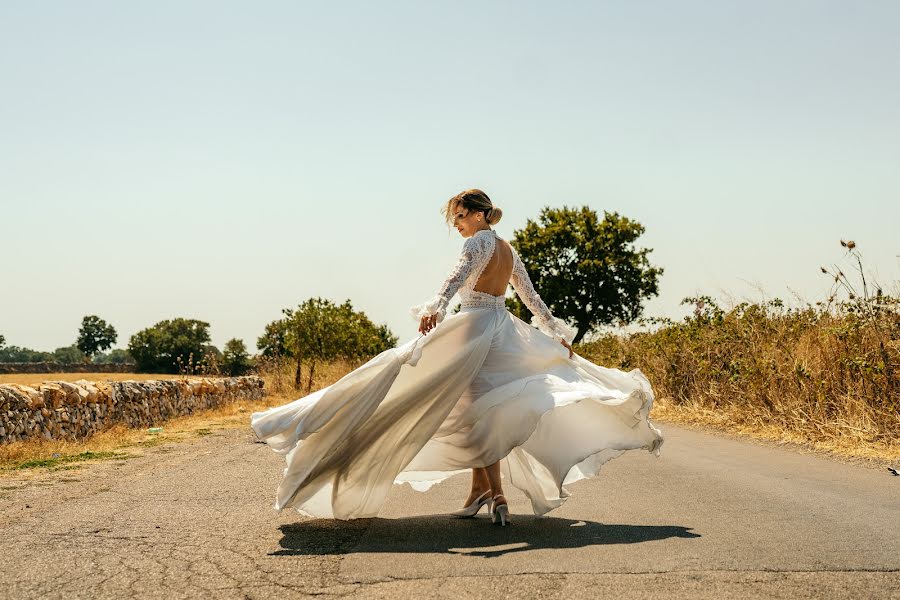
column 479, row 389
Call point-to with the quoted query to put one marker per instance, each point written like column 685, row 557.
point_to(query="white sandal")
column 500, row 512
column 472, row 509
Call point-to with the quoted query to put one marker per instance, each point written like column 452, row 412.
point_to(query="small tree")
column 116, row 356
column 272, row 342
column 2, row 341
column 95, row 335
column 235, row 360
column 69, row 355
column 319, row 330
column 586, row 270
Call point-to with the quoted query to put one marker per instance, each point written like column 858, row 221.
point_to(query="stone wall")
column 55, row 367
column 77, row 410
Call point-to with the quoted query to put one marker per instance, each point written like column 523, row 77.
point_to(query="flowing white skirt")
column 480, row 387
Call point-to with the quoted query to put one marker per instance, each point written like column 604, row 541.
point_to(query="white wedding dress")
column 481, row 386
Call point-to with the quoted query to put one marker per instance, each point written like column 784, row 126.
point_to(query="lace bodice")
column 475, row 255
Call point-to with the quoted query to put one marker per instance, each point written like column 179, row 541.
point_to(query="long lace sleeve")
column 438, row 304
column 543, row 319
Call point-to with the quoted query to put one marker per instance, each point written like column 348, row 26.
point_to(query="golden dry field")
column 35, row 378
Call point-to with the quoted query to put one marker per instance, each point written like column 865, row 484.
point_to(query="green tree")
column 161, row 348
column 14, row 354
column 587, row 271
column 235, row 360
column 272, row 341
column 2, row 341
column 69, row 355
column 319, row 330
column 114, row 357
column 95, row 335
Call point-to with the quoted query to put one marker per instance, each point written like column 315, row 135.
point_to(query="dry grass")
column 36, row 378
column 696, row 414
column 823, row 376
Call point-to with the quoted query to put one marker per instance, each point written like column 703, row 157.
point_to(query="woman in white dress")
column 479, row 389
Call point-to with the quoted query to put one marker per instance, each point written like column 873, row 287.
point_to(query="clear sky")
column 224, row 160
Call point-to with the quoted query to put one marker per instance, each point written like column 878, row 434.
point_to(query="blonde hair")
column 473, row 199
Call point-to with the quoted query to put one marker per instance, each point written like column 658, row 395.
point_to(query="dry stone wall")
column 76, row 410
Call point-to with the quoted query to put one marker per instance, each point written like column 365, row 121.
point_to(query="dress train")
column 480, row 387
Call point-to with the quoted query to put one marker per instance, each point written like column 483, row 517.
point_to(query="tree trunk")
column 309, row 382
column 582, row 331
column 298, row 376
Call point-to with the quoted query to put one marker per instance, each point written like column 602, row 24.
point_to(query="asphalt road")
column 712, row 517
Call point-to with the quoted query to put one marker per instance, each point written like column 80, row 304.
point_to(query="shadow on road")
column 470, row 537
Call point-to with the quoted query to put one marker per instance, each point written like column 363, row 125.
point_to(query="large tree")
column 95, row 335
column 169, row 344
column 587, row 270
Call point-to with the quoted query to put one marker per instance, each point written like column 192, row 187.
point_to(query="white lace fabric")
column 475, row 255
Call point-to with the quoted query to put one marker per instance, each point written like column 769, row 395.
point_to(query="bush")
column 823, row 371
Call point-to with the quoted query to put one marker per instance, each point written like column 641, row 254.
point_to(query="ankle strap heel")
column 500, row 513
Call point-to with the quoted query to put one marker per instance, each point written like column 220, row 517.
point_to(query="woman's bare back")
column 495, row 277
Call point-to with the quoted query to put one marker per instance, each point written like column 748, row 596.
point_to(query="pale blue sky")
column 223, row 160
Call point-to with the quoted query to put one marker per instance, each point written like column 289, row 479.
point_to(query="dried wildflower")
column 851, row 244
column 824, row 270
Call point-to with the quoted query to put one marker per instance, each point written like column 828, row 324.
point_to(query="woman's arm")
column 436, row 308
column 543, row 319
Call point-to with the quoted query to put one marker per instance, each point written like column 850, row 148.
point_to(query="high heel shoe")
column 472, row 509
column 500, row 512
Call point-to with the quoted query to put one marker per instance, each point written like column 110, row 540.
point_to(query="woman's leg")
column 480, row 484
column 493, row 475
column 500, row 509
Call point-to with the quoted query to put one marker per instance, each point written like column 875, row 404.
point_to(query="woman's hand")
column 427, row 324
column 566, row 344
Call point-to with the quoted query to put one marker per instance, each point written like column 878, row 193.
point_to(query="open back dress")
column 481, row 386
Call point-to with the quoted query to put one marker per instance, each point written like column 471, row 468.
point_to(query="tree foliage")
column 587, row 270
column 272, row 341
column 170, row 343
column 64, row 355
column 319, row 330
column 235, row 360
column 95, row 335
column 116, row 356
column 15, row 354
column 69, row 355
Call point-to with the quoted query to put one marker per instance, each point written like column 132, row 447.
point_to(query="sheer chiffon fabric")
column 482, row 386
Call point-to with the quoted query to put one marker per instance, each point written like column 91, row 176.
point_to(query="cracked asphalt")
column 712, row 517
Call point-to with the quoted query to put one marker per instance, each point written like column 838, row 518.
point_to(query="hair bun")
column 494, row 215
